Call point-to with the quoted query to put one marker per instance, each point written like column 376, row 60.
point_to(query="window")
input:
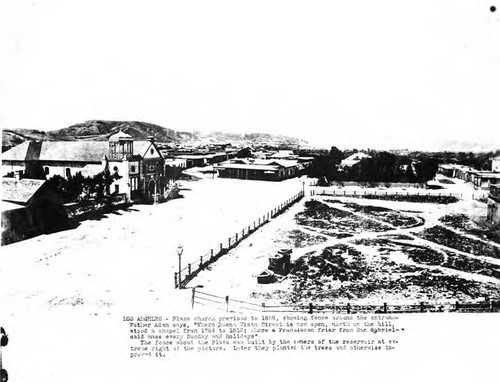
column 46, row 169
column 68, row 172
column 132, row 168
column 115, row 169
column 152, row 151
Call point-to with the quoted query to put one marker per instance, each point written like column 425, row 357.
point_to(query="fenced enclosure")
column 230, row 305
column 186, row 274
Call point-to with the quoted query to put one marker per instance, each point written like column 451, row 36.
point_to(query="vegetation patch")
column 300, row 239
column 448, row 238
column 334, row 222
column 465, row 224
column 387, row 215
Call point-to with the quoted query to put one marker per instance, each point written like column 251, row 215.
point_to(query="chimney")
column 18, row 174
column 151, row 138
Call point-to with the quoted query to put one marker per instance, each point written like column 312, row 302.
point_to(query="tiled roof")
column 20, row 191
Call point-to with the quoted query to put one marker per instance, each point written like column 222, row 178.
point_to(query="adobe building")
column 272, row 170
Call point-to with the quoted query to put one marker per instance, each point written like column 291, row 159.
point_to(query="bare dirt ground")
column 366, row 250
column 128, row 258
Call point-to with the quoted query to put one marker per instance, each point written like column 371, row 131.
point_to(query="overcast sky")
column 363, row 73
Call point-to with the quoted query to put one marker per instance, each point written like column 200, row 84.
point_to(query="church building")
column 138, row 163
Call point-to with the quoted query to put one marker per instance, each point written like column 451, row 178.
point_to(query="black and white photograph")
column 249, row 190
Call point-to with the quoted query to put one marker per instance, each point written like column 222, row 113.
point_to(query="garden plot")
column 382, row 270
column 424, row 255
column 386, row 215
column 448, row 238
column 463, row 223
column 327, row 220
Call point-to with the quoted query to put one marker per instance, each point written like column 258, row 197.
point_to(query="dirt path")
column 409, row 231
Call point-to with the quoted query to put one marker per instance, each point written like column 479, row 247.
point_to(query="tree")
column 426, row 169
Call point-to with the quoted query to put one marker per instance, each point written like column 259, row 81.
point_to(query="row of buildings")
column 144, row 168
column 481, row 180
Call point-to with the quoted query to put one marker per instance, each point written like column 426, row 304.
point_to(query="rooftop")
column 67, row 151
column 20, row 191
column 120, row 136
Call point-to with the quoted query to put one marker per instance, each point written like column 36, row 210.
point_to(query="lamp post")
column 179, row 253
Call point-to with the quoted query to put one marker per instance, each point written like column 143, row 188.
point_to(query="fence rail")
column 186, row 274
column 228, row 304
column 383, row 193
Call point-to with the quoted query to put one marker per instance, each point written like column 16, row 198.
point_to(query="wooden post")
column 236, row 237
column 212, row 254
column 189, row 268
column 348, row 308
column 201, row 261
column 227, row 303
column 457, row 305
column 422, row 307
column 192, row 297
column 310, row 308
column 229, row 242
column 175, row 279
column 221, row 247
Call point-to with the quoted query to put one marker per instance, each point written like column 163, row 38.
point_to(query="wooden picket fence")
column 186, row 274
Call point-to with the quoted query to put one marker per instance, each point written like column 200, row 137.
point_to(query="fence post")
column 201, row 261
column 348, row 306
column 175, row 279
column 457, row 306
column 221, row 247
column 212, row 254
column 189, row 268
column 385, row 307
column 229, row 242
column 310, row 308
column 236, row 238
column 192, row 297
column 422, row 307
column 227, row 303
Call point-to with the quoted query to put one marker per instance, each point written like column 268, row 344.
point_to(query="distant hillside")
column 101, row 130
column 92, row 130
